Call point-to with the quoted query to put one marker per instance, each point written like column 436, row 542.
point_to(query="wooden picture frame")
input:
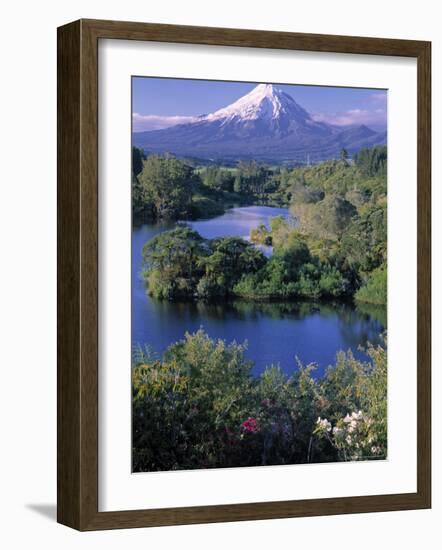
column 78, row 274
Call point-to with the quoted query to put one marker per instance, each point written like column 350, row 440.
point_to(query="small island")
column 334, row 246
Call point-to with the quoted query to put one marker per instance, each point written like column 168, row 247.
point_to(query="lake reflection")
column 276, row 333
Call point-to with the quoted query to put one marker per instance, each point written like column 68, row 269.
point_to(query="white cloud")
column 379, row 97
column 142, row 123
column 377, row 117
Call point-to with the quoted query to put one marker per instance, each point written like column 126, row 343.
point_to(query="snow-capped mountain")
column 265, row 124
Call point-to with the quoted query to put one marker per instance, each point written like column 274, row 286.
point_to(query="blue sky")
column 163, row 102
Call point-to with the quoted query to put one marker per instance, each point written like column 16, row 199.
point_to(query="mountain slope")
column 266, row 124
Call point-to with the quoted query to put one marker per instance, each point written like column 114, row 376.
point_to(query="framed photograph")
column 243, row 275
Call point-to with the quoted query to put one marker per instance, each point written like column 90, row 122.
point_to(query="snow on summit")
column 265, row 124
column 265, row 101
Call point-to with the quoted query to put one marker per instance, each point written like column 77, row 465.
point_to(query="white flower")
column 324, row 424
column 347, row 419
column 348, row 439
column 357, row 415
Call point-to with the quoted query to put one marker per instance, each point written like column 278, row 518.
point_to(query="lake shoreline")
column 276, row 330
column 227, row 205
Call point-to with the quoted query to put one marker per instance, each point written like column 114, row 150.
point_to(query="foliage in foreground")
column 200, row 407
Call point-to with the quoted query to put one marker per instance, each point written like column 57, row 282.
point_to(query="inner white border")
column 119, row 489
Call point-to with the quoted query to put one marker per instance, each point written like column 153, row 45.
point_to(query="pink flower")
column 250, row 425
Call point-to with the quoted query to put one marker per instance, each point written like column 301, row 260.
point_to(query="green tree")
column 167, row 184
column 251, row 178
column 327, row 218
column 261, row 235
column 138, row 157
column 306, row 195
column 229, row 259
column 142, row 209
column 238, row 184
column 372, row 162
column 374, row 290
column 364, row 243
column 172, row 263
column 218, row 178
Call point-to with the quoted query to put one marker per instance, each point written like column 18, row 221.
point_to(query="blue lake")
column 276, row 333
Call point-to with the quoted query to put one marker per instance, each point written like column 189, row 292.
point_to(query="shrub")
column 201, row 407
column 374, row 291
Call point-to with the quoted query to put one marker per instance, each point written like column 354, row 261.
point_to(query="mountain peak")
column 265, row 90
column 264, row 102
column 264, row 124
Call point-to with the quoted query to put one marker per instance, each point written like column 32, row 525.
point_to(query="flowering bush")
column 201, row 407
column 354, row 436
column 250, row 425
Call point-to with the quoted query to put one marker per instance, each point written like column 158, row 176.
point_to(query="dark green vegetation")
column 374, row 290
column 200, row 407
column 335, row 246
column 181, row 264
column 165, row 188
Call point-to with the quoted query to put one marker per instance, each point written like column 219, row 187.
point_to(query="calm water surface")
column 275, row 333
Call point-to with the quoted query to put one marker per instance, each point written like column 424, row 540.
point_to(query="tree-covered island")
column 334, row 247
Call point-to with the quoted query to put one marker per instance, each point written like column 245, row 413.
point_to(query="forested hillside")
column 335, row 245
